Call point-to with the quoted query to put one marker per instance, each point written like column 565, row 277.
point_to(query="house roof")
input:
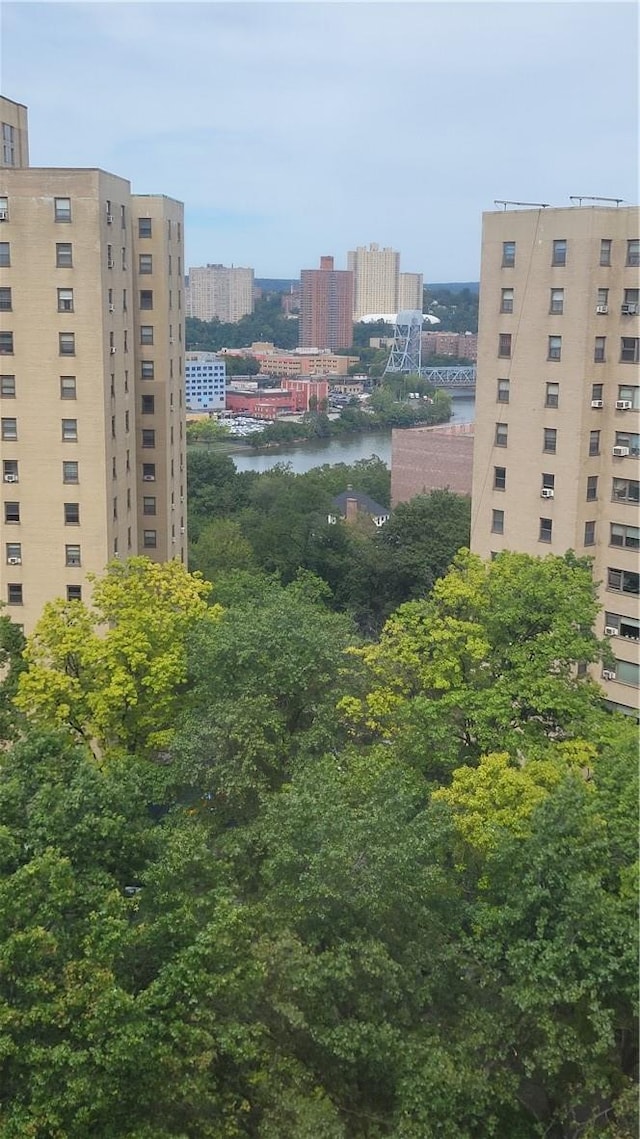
column 365, row 504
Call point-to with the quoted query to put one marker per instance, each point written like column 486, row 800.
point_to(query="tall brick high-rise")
column 326, row 307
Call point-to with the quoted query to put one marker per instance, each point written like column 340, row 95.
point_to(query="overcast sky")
column 292, row 130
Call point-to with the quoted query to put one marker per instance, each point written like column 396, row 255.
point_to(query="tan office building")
column 91, row 393
column 375, row 280
column 219, row 292
column 557, row 432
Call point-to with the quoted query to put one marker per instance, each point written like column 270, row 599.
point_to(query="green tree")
column 111, row 671
column 220, row 547
column 12, row 643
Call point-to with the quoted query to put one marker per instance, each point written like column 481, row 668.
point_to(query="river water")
column 303, row 456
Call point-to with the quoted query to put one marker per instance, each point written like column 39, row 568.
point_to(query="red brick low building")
column 431, row 458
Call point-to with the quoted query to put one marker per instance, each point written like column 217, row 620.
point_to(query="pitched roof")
column 366, row 504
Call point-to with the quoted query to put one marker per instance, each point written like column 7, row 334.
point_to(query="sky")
column 295, row 130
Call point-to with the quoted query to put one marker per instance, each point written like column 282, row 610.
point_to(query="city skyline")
column 289, row 129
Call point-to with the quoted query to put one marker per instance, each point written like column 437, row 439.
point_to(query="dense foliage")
column 267, row 322
column 368, row 892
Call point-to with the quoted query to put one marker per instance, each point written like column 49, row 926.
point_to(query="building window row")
column 559, row 252
column 628, row 305
column 629, row 348
column 71, row 513
column 15, row 593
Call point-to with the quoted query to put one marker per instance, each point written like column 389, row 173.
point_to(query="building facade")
column 205, row 379
column 326, row 307
column 431, row 458
column 219, row 292
column 91, row 395
column 376, row 274
column 410, row 291
column 557, row 432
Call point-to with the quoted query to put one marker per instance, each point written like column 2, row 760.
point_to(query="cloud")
column 295, row 129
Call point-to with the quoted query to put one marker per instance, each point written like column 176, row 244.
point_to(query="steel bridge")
column 450, row 377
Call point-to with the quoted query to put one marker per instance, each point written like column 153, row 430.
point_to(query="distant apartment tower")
column 557, row 433
column 205, row 376
column 218, row 292
column 15, row 135
column 326, row 307
column 91, row 399
column 379, row 286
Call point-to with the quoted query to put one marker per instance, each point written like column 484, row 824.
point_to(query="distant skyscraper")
column 376, row 272
column 218, row 292
column 410, row 291
column 326, row 307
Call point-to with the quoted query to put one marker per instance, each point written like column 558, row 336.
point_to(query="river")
column 303, row 456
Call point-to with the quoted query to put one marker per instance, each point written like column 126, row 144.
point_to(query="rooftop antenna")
column 504, row 204
column 580, row 198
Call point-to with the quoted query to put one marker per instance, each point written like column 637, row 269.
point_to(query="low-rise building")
column 431, row 458
column 205, row 377
column 352, row 505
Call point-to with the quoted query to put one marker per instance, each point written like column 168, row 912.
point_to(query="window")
column 146, row 369
column 146, row 298
column 605, row 251
column 5, row 300
column 10, row 470
column 499, row 478
column 64, row 255
column 501, row 434
column 6, row 343
column 596, row 391
column 504, row 344
column 556, row 302
column 5, row 254
column 149, row 540
column 503, row 391
column 110, row 261
column 549, row 440
column 629, row 393
column 602, row 299
column 548, row 482
column 623, row 581
column 7, row 387
column 65, row 300
column 72, row 513
column 594, row 442
column 69, row 472
column 552, row 395
column 629, row 350
column 497, row 521
column 4, row 208
column 148, row 504
column 62, row 209
column 592, row 488
column 148, row 437
column 508, row 254
column 628, row 672
column 559, row 255
column 628, row 627
column 148, row 404
column 149, row 472
column 146, row 334
column 629, row 439
column 12, row 512
column 144, row 227
column 145, row 263
column 589, row 534
column 74, row 593
column 14, row 593
column 631, row 296
column 633, row 251
column 626, row 536
column 554, row 351
column 599, row 350
column 67, row 387
column 9, row 428
column 70, row 430
column 546, row 530
column 124, row 256
column 72, row 555
column 506, row 300
column 13, row 553
column 67, row 343
column 626, row 490
column 8, row 145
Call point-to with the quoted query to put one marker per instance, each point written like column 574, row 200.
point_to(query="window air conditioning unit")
column 547, row 492
column 14, row 561
column 110, row 264
column 597, row 403
column 620, row 452
column 148, row 478
column 10, row 478
column 182, row 529
column 602, row 310
column 624, row 404
column 113, row 351
column 112, row 308
column 610, row 631
column 629, row 310
column 608, row 674
column 109, row 219
column 4, row 216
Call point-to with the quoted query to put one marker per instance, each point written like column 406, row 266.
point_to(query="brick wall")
column 431, row 458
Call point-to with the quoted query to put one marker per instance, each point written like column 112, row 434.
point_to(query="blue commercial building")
column 205, row 377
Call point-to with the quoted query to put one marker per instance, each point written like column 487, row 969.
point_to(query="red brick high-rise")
column 326, row 307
